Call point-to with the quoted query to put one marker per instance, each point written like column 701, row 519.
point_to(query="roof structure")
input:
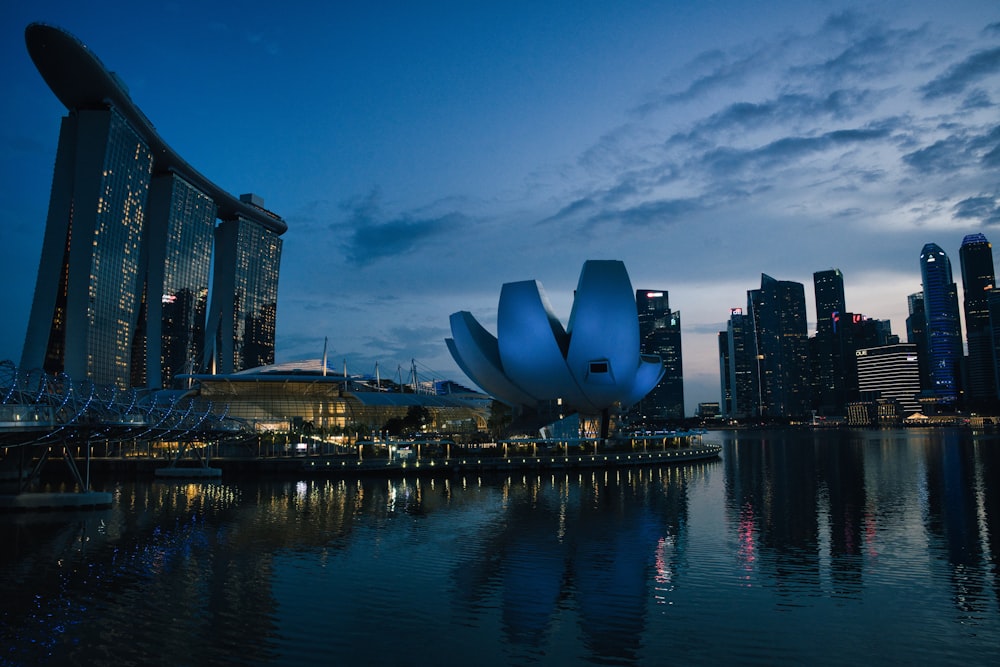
column 81, row 81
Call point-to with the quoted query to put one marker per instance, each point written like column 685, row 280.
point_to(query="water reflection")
column 798, row 546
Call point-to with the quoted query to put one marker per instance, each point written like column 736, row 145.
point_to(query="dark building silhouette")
column 916, row 333
column 660, row 334
column 944, row 332
column 829, row 376
column 739, row 364
column 725, row 370
column 123, row 283
column 978, row 280
column 778, row 310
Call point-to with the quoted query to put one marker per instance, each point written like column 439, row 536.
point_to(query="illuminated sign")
column 168, row 298
column 652, row 295
column 735, row 311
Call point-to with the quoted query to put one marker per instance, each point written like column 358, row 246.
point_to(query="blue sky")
column 425, row 153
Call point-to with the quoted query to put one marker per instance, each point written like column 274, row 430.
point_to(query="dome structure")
column 591, row 365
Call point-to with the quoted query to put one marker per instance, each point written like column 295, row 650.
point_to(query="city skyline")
column 423, row 159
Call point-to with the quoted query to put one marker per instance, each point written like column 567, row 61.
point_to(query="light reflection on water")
column 796, row 547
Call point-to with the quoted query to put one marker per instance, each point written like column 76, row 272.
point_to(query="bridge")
column 44, row 415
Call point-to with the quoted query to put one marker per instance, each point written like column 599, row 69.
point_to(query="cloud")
column 984, row 208
column 961, row 75
column 662, row 212
column 727, row 160
column 368, row 238
column 977, row 99
column 957, row 151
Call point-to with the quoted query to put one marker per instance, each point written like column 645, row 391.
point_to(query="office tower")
column 891, row 372
column 829, row 393
column 743, row 365
column 725, row 381
column 976, row 256
column 829, row 289
column 123, row 283
column 944, row 333
column 660, row 334
column 778, row 310
column 916, row 333
column 993, row 307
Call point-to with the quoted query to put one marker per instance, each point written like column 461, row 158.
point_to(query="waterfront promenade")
column 470, row 461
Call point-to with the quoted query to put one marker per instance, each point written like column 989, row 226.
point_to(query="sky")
column 423, row 154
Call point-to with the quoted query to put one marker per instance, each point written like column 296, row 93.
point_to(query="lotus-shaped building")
column 591, row 365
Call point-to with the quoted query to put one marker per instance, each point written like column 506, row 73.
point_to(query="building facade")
column 978, row 280
column 778, row 310
column 660, row 335
column 892, row 373
column 943, row 327
column 829, row 392
column 739, row 364
column 123, row 290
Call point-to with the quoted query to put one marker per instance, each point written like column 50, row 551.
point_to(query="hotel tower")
column 124, row 294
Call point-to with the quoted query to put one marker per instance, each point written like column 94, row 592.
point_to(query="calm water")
column 794, row 548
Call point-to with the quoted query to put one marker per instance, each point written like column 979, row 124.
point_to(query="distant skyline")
column 422, row 155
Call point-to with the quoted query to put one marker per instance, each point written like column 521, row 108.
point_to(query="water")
column 794, row 548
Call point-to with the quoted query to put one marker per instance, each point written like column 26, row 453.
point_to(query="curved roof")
column 591, row 365
column 81, row 81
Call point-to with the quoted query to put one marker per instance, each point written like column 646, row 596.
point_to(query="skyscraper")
column 743, row 366
column 123, row 283
column 916, row 333
column 976, row 257
column 829, row 391
column 660, row 334
column 944, row 332
column 829, row 289
column 778, row 310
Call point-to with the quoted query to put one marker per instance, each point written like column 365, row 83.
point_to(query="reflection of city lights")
column 871, row 533
column 746, row 538
column 664, row 578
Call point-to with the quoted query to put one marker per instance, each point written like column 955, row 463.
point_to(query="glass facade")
column 87, row 314
column 743, row 365
column 181, row 228
column 778, row 310
column 978, row 280
column 829, row 392
column 944, row 333
column 660, row 334
column 246, row 278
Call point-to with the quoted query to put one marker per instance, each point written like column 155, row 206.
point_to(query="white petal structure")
column 591, row 365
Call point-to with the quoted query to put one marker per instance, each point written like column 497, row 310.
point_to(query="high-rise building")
column 725, row 381
column 123, row 283
column 890, row 372
column 743, row 366
column 778, row 310
column 660, row 334
column 916, row 333
column 829, row 393
column 978, row 280
column 829, row 289
column 944, row 331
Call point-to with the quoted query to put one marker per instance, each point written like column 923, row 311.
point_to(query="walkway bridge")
column 42, row 415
